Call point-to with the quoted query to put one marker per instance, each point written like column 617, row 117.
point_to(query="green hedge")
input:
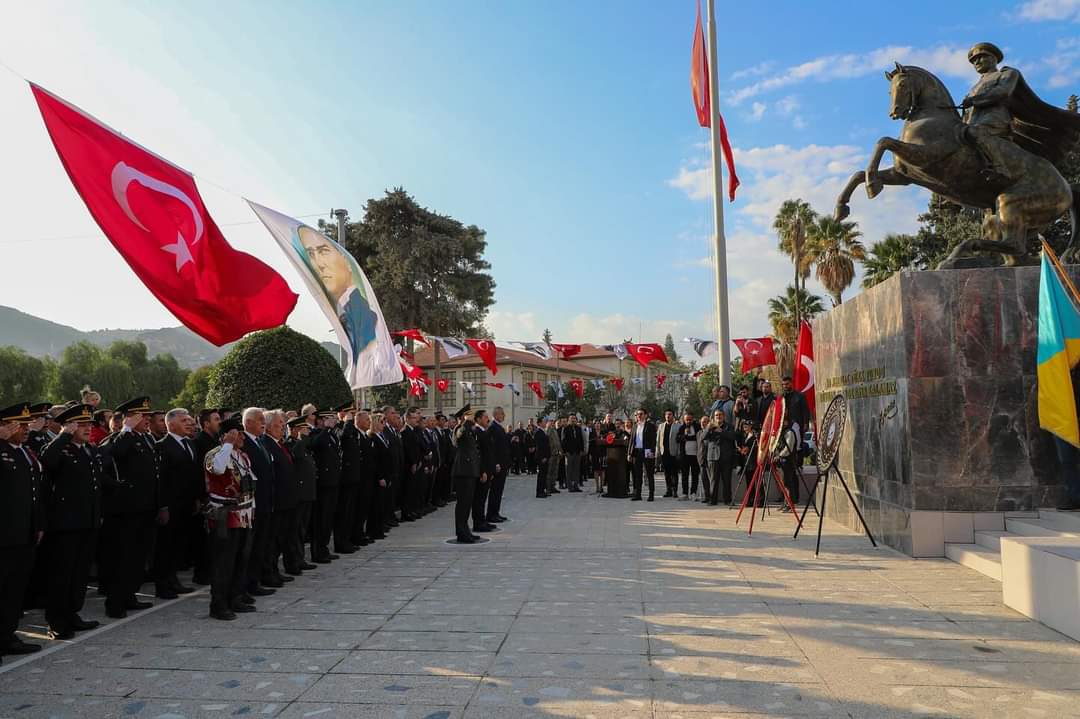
column 278, row 368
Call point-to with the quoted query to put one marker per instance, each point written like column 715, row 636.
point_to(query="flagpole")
column 723, row 331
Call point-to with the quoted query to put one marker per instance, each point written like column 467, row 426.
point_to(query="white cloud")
column 758, row 110
column 757, row 70
column 1044, row 10
column 788, row 105
column 514, row 326
column 1063, row 63
column 943, row 59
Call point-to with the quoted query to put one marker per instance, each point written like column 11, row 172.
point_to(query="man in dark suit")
column 262, row 466
column 573, row 446
column 304, row 475
column 414, row 449
column 181, row 476
column 466, row 472
column 762, row 404
column 286, row 500
column 643, row 453
column 502, row 457
column 352, row 494
column 74, row 474
column 21, row 522
column 487, row 471
column 797, row 417
column 326, row 450
column 539, row 458
column 205, row 440
column 445, row 437
column 395, row 466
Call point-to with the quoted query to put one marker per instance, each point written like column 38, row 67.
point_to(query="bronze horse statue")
column 932, row 153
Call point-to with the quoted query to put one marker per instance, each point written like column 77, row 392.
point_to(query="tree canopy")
column 893, row 254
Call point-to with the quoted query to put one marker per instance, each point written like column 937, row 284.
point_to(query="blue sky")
column 565, row 129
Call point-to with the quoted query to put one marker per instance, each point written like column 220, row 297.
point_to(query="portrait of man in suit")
column 333, row 268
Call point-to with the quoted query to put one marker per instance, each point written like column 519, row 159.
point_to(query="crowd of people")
column 247, row 499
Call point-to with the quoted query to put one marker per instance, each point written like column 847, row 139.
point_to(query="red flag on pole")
column 537, row 389
column 413, row 334
column 646, row 353
column 756, row 352
column 578, row 386
column 153, row 215
column 618, row 382
column 660, row 379
column 803, row 381
column 486, row 350
column 442, row 384
column 699, row 87
column 567, row 351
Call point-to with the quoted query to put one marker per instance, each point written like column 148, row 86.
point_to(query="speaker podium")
column 615, row 473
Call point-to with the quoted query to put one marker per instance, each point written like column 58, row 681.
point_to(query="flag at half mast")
column 344, row 295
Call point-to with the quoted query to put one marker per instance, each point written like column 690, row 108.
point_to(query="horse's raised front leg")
column 914, row 155
column 888, row 176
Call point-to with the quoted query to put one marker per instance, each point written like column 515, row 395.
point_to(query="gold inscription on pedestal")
column 860, row 384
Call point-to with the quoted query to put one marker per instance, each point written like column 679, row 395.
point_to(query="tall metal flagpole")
column 723, row 332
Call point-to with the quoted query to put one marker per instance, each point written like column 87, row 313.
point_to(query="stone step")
column 1066, row 521
column 990, row 539
column 977, row 557
column 1041, row 527
column 1041, row 579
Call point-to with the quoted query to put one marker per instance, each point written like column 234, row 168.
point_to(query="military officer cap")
column 18, row 412
column 327, row 413
column 40, row 409
column 234, row 422
column 139, row 405
column 78, row 413
column 102, row 415
column 57, row 409
column 297, row 422
column 987, row 48
column 347, row 407
column 467, row 409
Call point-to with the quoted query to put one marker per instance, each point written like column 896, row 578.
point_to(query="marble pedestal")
column 943, row 434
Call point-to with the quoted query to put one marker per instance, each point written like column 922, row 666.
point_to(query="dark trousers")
column 372, row 512
column 229, row 575
column 285, row 536
column 15, row 566
column 443, row 484
column 530, row 460
column 479, row 503
column 322, row 521
column 261, row 535
column 70, row 555
column 643, row 466
column 389, row 497
column 671, row 474
column 126, row 539
column 541, row 477
column 706, row 488
column 170, row 547
column 721, row 477
column 345, row 515
column 495, row 494
column 690, row 468
column 199, row 548
column 791, row 479
column 465, row 488
column 303, row 528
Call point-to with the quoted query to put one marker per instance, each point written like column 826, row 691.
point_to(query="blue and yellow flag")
column 1059, row 352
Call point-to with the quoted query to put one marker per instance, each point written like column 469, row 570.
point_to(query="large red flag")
column 486, row 350
column 756, row 352
column 646, row 353
column 536, row 388
column 153, row 215
column 803, row 380
column 567, row 351
column 578, row 385
column 699, row 87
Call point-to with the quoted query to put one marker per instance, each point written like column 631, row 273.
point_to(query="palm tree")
column 886, row 258
column 833, row 246
column 792, row 221
column 787, row 309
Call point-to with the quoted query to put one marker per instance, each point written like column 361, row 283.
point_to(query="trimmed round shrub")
column 278, row 368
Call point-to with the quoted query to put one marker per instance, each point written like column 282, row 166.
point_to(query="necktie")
column 187, row 446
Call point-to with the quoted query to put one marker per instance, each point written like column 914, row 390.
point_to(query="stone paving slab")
column 577, row 608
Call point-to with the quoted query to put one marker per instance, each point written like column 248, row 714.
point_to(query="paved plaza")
column 579, row 607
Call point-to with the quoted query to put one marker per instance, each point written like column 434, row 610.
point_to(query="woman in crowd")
column 686, row 439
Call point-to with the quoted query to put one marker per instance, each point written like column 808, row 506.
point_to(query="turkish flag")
column 414, row 373
column 803, row 380
column 413, row 334
column 153, row 215
column 536, row 388
column 486, row 350
column 578, row 386
column 756, row 352
column 699, row 87
column 416, row 388
column 496, row 385
column 646, row 353
column 567, row 351
column 618, row 382
column 442, row 384
column 660, row 379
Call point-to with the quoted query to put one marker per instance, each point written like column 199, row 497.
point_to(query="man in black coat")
column 304, row 476
column 181, row 476
column 209, row 425
column 573, row 446
column 74, row 474
column 443, row 488
column 539, row 458
column 797, row 417
column 392, row 497
column 501, row 456
column 257, row 447
column 467, row 471
column 353, row 495
column 21, row 522
column 642, row 451
column 326, row 450
column 414, row 449
column 286, row 500
column 133, row 508
column 487, row 471
column 762, row 404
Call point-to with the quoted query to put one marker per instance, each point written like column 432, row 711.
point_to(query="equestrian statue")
column 1001, row 155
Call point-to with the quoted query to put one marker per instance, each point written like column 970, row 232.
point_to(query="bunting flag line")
column 567, row 351
column 598, row 383
column 514, row 388
column 540, row 349
column 618, row 382
column 413, row 334
column 637, row 380
column 646, row 353
column 660, row 381
column 578, row 386
column 416, row 388
column 486, row 350
column 466, row 387
column 557, row 386
column 453, row 348
column 494, row 385
column 618, row 350
column 442, row 385
column 536, row 388
column 756, row 352
column 402, row 352
column 702, row 346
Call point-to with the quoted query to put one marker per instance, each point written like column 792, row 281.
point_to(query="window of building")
column 446, row 400
column 478, row 398
column 528, row 399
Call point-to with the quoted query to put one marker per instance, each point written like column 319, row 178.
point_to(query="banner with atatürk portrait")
column 344, row 295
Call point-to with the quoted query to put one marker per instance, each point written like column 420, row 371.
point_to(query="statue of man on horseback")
column 1000, row 157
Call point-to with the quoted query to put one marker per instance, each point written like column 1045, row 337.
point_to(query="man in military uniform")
column 466, row 472
column 133, row 508
column 74, row 475
column 304, row 472
column 353, row 449
column 326, row 449
column 986, row 108
column 230, row 487
column 21, row 522
column 43, row 427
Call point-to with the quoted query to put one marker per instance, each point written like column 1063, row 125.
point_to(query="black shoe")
column 286, row 579
column 394, row 523
column 137, row 604
column 81, row 625
column 1069, row 506
column 62, row 634
column 305, row 566
column 18, row 646
column 333, row 556
column 260, row 591
column 380, row 535
column 200, row 580
column 541, row 496
column 556, row 491
column 345, row 549
column 467, row 540
column 272, row 582
column 321, row 560
column 226, row 615
column 164, row 593
column 294, row 571
column 241, row 608
column 181, row 589
column 650, row 499
column 635, row 499
column 115, row 613
column 484, row 528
